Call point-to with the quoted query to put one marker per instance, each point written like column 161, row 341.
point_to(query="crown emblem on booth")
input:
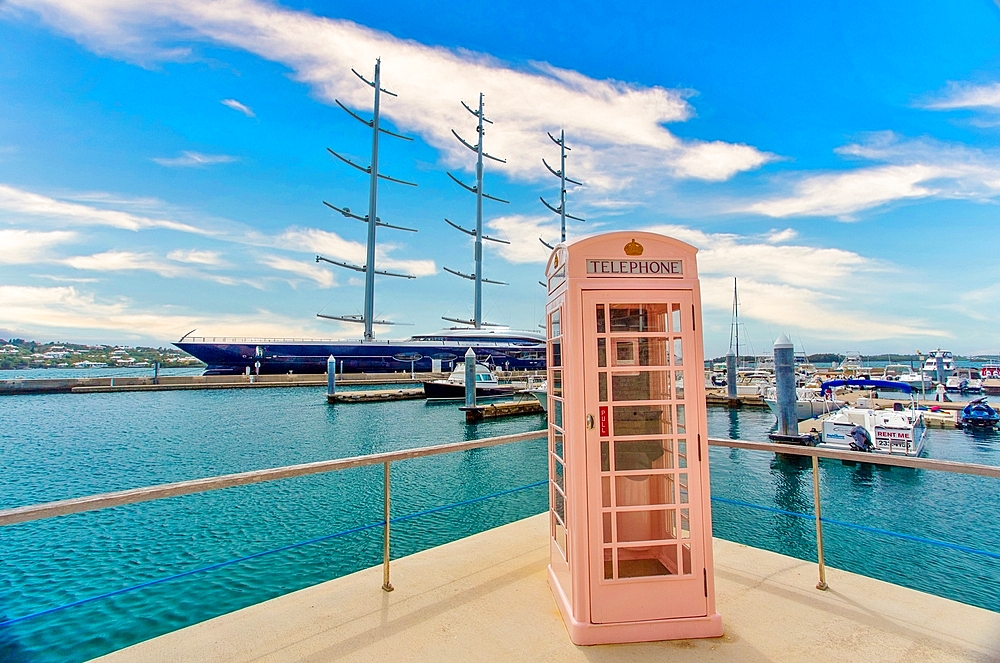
column 633, row 248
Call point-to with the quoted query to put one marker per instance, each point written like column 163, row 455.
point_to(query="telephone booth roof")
column 624, row 253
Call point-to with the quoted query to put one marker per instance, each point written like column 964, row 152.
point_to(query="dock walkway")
column 485, row 598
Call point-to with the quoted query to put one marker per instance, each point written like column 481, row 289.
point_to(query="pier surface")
column 485, row 598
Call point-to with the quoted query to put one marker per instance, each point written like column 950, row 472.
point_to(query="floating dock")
column 85, row 385
column 375, row 396
column 496, row 410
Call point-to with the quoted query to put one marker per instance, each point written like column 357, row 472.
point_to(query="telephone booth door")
column 646, row 438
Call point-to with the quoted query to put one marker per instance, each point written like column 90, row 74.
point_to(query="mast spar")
column 372, row 219
column 561, row 174
column 477, row 277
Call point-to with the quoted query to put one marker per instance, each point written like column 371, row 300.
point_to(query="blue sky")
column 163, row 165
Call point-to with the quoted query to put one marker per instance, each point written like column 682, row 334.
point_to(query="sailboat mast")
column 477, row 315
column 372, row 209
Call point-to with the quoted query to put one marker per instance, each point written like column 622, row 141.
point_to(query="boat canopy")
column 876, row 384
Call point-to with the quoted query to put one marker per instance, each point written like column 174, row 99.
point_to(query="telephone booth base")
column 586, row 633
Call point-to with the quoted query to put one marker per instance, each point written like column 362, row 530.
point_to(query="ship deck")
column 485, row 598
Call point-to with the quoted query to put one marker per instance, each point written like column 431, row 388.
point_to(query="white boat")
column 947, row 364
column 900, row 430
column 965, row 380
column 809, row 402
column 990, row 372
column 917, row 381
column 753, row 383
column 853, row 364
column 453, row 387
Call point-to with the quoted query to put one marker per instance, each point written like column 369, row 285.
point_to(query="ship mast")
column 561, row 174
column 372, row 219
column 477, row 277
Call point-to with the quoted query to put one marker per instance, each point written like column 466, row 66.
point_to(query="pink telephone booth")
column 630, row 518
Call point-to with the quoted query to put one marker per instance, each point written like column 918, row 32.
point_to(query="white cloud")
column 617, row 127
column 332, row 245
column 37, row 206
column 965, row 95
column 913, row 169
column 776, row 236
column 194, row 159
column 237, row 106
column 123, row 261
column 39, row 310
column 197, row 257
column 18, row 247
column 794, row 286
column 523, row 233
column 322, row 277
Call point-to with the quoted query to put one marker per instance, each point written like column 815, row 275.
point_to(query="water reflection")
column 792, row 479
column 734, row 424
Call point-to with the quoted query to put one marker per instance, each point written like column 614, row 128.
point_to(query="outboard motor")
column 862, row 440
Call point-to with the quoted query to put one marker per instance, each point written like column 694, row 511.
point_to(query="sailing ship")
column 493, row 344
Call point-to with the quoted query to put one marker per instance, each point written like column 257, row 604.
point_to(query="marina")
column 233, row 523
column 581, row 472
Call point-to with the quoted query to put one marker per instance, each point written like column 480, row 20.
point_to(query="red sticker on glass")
column 604, row 420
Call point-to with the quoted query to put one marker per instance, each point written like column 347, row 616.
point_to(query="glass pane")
column 646, row 525
column 560, row 536
column 556, row 383
column 675, row 315
column 643, row 455
column 559, row 475
column 641, row 386
column 686, row 557
column 601, row 327
column 680, row 420
column 606, row 492
column 647, row 561
column 685, row 524
column 557, row 444
column 556, row 353
column 639, row 351
column 638, row 317
column 642, row 490
column 679, row 385
column 682, row 453
column 678, row 353
column 607, row 528
column 683, row 480
column 642, row 420
column 602, row 352
column 605, row 458
column 559, row 504
column 608, row 564
column 555, row 329
column 557, row 418
column 602, row 387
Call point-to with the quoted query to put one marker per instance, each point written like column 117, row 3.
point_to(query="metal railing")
column 33, row 512
column 150, row 493
column 857, row 457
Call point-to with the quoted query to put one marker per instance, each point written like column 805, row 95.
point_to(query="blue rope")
column 219, row 565
column 864, row 528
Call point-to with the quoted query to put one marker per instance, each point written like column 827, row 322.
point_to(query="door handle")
column 590, row 422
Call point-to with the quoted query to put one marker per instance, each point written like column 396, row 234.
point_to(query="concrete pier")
column 485, row 599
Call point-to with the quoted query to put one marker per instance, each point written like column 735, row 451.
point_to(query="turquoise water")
column 65, row 445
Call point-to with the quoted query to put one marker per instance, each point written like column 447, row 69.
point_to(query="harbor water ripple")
column 66, row 445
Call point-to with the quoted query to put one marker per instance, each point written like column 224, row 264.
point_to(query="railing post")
column 386, row 585
column 821, row 585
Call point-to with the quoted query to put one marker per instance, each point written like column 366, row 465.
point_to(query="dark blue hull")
column 277, row 357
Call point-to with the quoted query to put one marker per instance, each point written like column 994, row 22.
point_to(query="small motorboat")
column 453, row 387
column 979, row 414
column 897, row 431
column 809, row 402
